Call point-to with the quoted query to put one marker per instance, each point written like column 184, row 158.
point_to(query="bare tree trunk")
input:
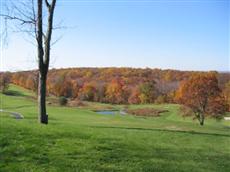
column 43, row 117
column 43, row 56
column 201, row 118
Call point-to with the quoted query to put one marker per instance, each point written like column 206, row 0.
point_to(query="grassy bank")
column 79, row 139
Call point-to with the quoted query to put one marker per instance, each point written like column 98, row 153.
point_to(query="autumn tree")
column 4, row 82
column 226, row 94
column 134, row 97
column 217, row 106
column 115, row 92
column 148, row 92
column 99, row 95
column 202, row 94
column 74, row 88
column 60, row 86
column 87, row 92
column 32, row 82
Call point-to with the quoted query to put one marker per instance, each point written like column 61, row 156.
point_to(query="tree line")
column 204, row 92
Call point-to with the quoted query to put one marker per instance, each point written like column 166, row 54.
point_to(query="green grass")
column 82, row 140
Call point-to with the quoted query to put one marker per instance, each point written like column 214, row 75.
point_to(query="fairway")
column 79, row 139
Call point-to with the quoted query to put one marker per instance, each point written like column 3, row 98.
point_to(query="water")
column 110, row 112
column 106, row 112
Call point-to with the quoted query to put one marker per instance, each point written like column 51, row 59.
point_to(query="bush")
column 77, row 103
column 186, row 111
column 63, row 100
column 161, row 99
column 146, row 112
column 4, row 82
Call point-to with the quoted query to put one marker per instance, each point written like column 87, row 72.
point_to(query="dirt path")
column 16, row 115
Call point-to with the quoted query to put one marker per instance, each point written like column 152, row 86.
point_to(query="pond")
column 110, row 112
column 106, row 112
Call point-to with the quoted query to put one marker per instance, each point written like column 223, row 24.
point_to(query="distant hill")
column 94, row 84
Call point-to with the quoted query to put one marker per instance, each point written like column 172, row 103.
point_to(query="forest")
column 117, row 85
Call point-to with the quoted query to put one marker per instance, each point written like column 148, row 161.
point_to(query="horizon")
column 119, row 67
column 175, row 35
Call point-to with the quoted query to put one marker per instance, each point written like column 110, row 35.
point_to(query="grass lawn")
column 79, row 139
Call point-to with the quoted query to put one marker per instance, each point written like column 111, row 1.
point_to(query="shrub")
column 77, row 103
column 146, row 112
column 63, row 100
column 161, row 99
column 4, row 82
column 186, row 111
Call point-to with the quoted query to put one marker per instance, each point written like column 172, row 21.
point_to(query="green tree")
column 148, row 92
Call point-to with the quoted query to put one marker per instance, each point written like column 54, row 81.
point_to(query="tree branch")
column 8, row 17
column 47, row 4
column 48, row 34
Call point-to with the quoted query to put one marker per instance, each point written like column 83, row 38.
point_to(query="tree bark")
column 43, row 56
column 201, row 119
column 43, row 117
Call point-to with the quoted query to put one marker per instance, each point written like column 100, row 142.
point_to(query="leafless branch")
column 47, row 4
column 8, row 17
column 56, row 40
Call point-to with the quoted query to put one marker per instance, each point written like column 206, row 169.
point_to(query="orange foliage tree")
column 202, row 94
column 115, row 92
column 87, row 92
column 135, row 96
column 226, row 94
column 4, row 81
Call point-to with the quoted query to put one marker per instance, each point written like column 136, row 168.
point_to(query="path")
column 227, row 118
column 16, row 115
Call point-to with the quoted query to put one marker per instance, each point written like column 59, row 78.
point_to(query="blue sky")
column 184, row 35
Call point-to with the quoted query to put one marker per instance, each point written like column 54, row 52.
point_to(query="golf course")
column 80, row 139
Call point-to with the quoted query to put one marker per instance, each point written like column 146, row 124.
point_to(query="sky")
column 183, row 35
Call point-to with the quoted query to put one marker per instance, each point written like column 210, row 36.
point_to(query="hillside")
column 79, row 139
column 112, row 85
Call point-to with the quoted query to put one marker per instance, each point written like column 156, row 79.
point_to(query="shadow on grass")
column 164, row 130
column 35, row 118
column 14, row 93
column 18, row 94
column 19, row 107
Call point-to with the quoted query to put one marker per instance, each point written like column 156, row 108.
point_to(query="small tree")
column 226, row 94
column 200, row 93
column 116, row 92
column 87, row 92
column 134, row 97
column 148, row 92
column 4, row 82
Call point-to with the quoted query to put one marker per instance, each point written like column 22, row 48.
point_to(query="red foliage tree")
column 115, row 92
column 226, row 94
column 87, row 92
column 135, row 96
column 200, row 93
